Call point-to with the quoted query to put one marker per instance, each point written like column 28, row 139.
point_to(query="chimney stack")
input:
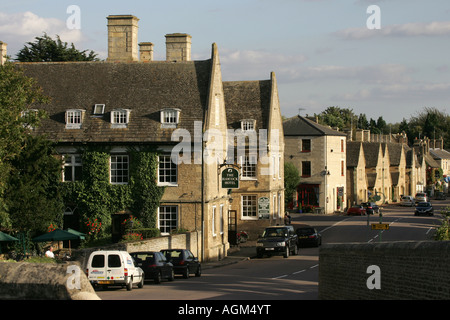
column 3, row 52
column 146, row 51
column 178, row 47
column 122, row 38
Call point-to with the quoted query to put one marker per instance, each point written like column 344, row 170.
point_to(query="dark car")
column 358, row 210
column 154, row 264
column 424, row 208
column 184, row 262
column 440, row 196
column 371, row 207
column 308, row 236
column 277, row 240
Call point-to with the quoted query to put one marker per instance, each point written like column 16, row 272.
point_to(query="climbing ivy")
column 96, row 198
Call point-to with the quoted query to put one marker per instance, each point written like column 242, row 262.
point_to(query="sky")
column 391, row 62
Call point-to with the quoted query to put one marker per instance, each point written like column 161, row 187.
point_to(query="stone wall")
column 407, row 270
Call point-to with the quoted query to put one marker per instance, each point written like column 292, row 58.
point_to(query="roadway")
column 295, row 278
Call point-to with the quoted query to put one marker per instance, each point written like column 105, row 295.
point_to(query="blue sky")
column 321, row 51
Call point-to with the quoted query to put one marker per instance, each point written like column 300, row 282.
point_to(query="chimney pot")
column 122, row 38
column 146, row 51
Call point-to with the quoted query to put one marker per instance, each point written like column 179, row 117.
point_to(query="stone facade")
column 122, row 38
column 3, row 52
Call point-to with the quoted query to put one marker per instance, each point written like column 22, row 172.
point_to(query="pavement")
column 243, row 251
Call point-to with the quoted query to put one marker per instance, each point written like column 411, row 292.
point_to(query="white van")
column 113, row 268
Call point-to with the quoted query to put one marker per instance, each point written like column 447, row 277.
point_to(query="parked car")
column 308, row 235
column 424, row 208
column 408, row 201
column 356, row 210
column 440, row 196
column 184, row 262
column 371, row 207
column 114, row 268
column 155, row 265
column 277, row 240
column 422, row 197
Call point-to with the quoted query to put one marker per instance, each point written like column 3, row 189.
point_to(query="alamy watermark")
column 374, row 20
column 73, row 22
column 374, row 281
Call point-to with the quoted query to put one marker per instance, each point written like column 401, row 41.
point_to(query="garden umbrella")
column 58, row 235
column 81, row 235
column 6, row 238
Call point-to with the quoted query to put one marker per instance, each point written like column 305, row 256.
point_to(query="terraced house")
column 129, row 108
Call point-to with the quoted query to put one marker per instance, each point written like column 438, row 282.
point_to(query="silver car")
column 408, row 201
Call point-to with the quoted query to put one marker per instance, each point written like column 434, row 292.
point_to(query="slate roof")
column 300, row 126
column 247, row 100
column 144, row 88
column 353, row 150
column 440, row 153
column 371, row 152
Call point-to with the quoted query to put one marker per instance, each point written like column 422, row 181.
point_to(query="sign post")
column 263, row 208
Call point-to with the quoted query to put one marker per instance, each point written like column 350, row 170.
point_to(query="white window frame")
column 72, row 163
column 249, row 206
column 99, row 109
column 248, row 124
column 122, row 174
column 169, row 165
column 120, row 118
column 221, row 218
column 170, row 117
column 248, row 170
column 213, row 221
column 74, row 118
column 167, row 221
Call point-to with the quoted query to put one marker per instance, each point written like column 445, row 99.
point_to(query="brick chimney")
column 3, row 52
column 122, row 38
column 178, row 47
column 146, row 51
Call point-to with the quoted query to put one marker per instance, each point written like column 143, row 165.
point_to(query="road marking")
column 283, row 276
column 300, row 271
column 314, row 266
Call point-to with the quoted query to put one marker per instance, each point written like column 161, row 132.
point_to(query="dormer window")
column 74, row 118
column 248, row 124
column 120, row 118
column 170, row 117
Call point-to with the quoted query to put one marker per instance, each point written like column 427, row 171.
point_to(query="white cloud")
column 437, row 28
column 18, row 28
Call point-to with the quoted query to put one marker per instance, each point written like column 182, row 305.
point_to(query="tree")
column 18, row 95
column 291, row 181
column 33, row 196
column 45, row 49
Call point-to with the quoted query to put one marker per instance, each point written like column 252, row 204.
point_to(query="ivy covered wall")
column 96, row 199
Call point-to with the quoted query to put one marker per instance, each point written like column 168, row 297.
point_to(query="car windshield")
column 274, row 232
column 175, row 254
column 424, row 204
column 143, row 256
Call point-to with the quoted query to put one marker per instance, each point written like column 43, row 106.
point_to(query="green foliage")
column 442, row 233
column 33, row 196
column 45, row 49
column 291, row 180
column 96, row 198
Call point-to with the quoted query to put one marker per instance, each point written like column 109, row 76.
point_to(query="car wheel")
column 172, row 275
column 186, row 273
column 295, row 251
column 141, row 283
column 199, row 271
column 129, row 284
column 286, row 252
column 157, row 278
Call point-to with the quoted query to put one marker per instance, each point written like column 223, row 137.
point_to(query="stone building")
column 185, row 112
column 319, row 153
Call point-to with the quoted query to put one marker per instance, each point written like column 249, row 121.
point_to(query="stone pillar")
column 3, row 52
column 146, row 51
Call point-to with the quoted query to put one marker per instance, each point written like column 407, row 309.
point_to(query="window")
column 119, row 169
column 342, row 145
column 167, row 218
column 72, row 168
column 167, row 173
column 221, row 219
column 213, row 221
column 248, row 166
column 99, row 109
column 342, row 168
column 306, row 145
column 306, row 168
column 249, row 207
column 248, row 125
column 170, row 117
column 74, row 119
column 120, row 118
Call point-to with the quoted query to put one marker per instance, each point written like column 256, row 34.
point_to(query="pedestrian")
column 49, row 253
column 287, row 218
